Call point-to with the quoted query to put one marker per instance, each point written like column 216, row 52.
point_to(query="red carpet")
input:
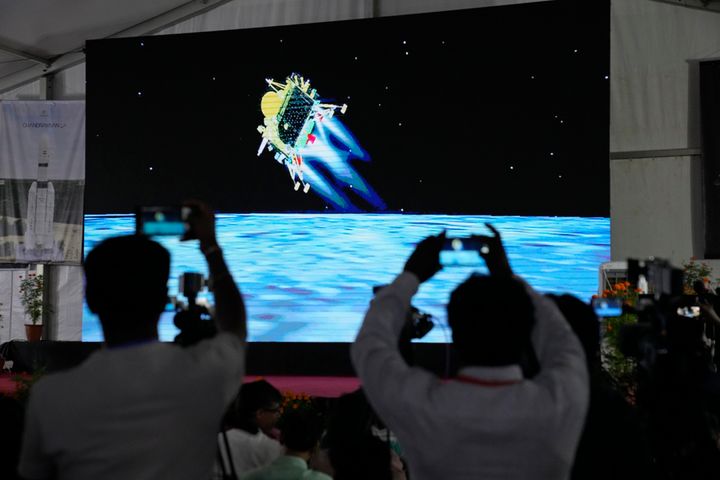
column 313, row 386
column 7, row 384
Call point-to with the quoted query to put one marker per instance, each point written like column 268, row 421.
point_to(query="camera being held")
column 667, row 324
column 417, row 323
column 678, row 388
column 194, row 321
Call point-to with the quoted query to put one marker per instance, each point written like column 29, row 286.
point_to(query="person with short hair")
column 612, row 427
column 139, row 409
column 250, row 421
column 300, row 435
column 489, row 421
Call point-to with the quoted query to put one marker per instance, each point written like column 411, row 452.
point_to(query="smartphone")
column 162, row 220
column 607, row 307
column 689, row 312
column 463, row 251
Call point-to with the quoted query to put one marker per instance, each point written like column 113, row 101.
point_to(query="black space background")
column 469, row 108
column 710, row 111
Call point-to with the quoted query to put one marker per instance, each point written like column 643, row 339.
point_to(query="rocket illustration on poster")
column 42, row 168
column 39, row 236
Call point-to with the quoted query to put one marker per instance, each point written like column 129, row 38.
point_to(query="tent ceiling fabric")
column 45, row 29
column 36, row 33
column 48, row 28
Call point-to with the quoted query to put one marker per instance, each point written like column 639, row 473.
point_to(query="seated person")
column 249, row 422
column 358, row 445
column 139, row 409
column 11, row 425
column 488, row 422
column 300, row 434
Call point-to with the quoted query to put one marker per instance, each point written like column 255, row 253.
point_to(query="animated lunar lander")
column 291, row 111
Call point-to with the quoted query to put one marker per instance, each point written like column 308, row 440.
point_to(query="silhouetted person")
column 355, row 451
column 250, row 421
column 613, row 444
column 138, row 408
column 300, row 434
column 11, row 427
column 489, row 421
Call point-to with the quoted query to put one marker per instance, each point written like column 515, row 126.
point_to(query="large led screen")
column 330, row 149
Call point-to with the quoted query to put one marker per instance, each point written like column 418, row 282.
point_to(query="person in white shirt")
column 487, row 422
column 250, row 422
column 139, row 409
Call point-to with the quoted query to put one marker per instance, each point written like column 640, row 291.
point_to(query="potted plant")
column 620, row 369
column 31, row 298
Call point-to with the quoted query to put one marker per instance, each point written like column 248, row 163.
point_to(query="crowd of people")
column 527, row 403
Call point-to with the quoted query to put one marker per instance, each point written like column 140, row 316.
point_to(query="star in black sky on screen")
column 465, row 87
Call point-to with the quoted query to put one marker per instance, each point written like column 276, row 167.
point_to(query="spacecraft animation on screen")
column 291, row 111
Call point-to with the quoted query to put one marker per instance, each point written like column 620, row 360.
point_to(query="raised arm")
column 230, row 315
column 563, row 372
column 387, row 379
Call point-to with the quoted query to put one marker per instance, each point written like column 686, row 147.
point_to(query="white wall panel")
column 70, row 84
column 67, row 287
column 31, row 91
column 652, row 203
column 653, row 83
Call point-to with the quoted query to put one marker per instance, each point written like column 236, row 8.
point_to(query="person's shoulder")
column 58, row 382
column 238, row 436
column 315, row 475
column 217, row 359
column 255, row 474
column 224, row 349
column 222, row 341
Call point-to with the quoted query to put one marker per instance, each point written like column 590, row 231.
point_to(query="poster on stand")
column 42, row 181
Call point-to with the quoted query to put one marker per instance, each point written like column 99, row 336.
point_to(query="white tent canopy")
column 40, row 37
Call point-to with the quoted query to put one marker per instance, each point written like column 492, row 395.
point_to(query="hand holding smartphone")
column 162, row 220
column 463, row 251
column 478, row 249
